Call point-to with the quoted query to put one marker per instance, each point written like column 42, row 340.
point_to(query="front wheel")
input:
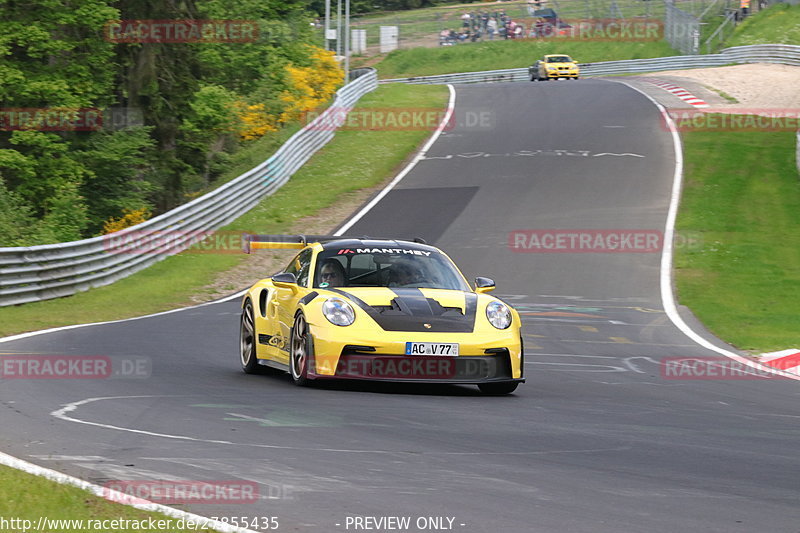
column 300, row 351
column 247, row 336
column 497, row 389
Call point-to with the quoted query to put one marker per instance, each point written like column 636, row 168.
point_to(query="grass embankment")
column 27, row 497
column 353, row 160
column 421, row 26
column 742, row 194
column 778, row 24
column 491, row 55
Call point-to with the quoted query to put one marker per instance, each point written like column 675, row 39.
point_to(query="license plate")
column 432, row 348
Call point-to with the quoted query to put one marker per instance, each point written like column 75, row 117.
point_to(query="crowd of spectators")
column 481, row 25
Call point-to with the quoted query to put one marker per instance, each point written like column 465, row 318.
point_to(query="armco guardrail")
column 29, row 274
column 759, row 53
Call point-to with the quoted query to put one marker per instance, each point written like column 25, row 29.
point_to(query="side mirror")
column 285, row 280
column 483, row 285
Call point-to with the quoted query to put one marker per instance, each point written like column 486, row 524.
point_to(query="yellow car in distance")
column 376, row 309
column 554, row 66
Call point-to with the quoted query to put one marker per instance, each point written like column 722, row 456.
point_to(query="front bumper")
column 336, row 353
column 562, row 74
column 424, row 369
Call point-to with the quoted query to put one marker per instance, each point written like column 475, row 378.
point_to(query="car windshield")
column 386, row 267
column 559, row 59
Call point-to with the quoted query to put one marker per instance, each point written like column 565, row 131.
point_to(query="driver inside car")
column 331, row 274
column 405, row 273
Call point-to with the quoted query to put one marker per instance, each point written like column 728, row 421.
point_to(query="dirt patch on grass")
column 754, row 86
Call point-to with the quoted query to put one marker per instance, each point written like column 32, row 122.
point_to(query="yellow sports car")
column 554, row 66
column 358, row 308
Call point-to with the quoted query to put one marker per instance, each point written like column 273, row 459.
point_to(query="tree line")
column 100, row 128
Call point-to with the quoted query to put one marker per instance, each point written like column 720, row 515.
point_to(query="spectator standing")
column 491, row 28
column 512, row 29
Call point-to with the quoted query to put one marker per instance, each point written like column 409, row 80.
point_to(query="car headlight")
column 498, row 314
column 338, row 312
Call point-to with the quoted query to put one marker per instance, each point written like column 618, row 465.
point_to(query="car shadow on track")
column 375, row 387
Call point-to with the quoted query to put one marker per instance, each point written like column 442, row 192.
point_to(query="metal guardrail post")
column 797, row 152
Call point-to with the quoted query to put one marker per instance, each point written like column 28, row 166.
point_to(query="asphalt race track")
column 596, row 441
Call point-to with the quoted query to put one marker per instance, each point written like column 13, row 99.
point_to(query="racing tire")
column 498, row 389
column 247, row 341
column 301, row 348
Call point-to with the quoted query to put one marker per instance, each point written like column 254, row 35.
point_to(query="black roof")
column 369, row 242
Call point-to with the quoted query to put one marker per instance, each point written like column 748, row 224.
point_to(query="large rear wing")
column 252, row 241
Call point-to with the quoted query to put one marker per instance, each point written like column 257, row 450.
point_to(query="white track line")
column 74, row 326
column 450, row 105
column 112, row 495
column 667, row 295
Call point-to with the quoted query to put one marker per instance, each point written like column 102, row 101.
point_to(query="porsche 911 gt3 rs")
column 385, row 310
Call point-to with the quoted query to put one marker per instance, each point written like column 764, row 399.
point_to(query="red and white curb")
column 786, row 360
column 681, row 93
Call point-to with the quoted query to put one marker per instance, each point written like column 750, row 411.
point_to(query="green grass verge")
column 28, row 497
column 778, row 24
column 491, row 55
column 742, row 196
column 352, row 161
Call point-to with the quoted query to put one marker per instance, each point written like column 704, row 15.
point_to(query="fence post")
column 797, row 153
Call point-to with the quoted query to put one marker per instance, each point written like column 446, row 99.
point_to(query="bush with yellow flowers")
column 254, row 120
column 310, row 86
column 130, row 217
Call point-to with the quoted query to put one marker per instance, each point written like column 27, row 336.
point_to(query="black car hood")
column 409, row 309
